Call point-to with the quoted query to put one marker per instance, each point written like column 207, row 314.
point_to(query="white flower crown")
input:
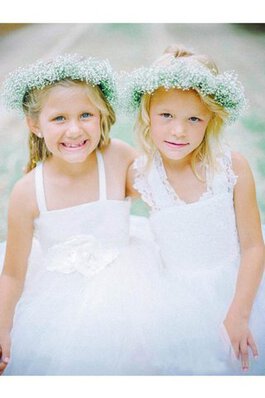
column 44, row 73
column 186, row 74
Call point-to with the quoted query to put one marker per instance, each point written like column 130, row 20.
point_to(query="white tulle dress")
column 201, row 255
column 91, row 293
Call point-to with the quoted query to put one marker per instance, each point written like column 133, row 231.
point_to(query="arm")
column 130, row 190
column 252, row 261
column 124, row 156
column 19, row 240
column 130, row 154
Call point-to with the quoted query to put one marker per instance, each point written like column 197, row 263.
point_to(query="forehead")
column 70, row 95
column 177, row 98
column 62, row 90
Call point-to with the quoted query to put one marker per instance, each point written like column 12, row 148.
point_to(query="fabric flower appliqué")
column 83, row 253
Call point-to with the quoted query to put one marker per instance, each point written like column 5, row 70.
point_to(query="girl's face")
column 178, row 121
column 69, row 123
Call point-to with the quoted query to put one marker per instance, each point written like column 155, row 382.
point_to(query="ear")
column 33, row 126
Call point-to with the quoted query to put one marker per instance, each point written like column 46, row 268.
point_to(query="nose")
column 178, row 128
column 73, row 129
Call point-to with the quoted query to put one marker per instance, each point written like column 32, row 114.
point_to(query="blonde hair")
column 204, row 153
column 32, row 106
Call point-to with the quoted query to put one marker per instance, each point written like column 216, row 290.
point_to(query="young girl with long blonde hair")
column 204, row 214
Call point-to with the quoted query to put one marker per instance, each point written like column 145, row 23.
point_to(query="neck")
column 71, row 170
column 177, row 165
column 183, row 166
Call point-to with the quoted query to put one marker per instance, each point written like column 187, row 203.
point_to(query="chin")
column 76, row 160
column 173, row 155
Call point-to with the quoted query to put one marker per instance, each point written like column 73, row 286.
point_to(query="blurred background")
column 239, row 47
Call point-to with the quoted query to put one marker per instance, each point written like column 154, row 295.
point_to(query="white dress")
column 200, row 251
column 90, row 297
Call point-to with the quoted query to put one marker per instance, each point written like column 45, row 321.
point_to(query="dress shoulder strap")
column 141, row 183
column 150, row 182
column 101, row 176
column 225, row 161
column 39, row 188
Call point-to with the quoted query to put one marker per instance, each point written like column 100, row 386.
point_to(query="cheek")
column 50, row 144
column 155, row 134
column 156, row 129
column 95, row 126
column 155, row 121
column 200, row 136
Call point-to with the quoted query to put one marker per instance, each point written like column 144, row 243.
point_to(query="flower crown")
column 45, row 73
column 186, row 74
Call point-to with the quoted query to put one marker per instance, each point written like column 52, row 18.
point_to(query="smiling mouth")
column 74, row 146
column 176, row 144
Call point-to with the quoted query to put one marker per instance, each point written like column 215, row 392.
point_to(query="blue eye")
column 166, row 115
column 86, row 115
column 59, row 118
column 194, row 119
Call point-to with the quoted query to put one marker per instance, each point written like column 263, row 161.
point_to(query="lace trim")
column 226, row 162
column 158, row 193
column 225, row 179
column 175, row 199
column 140, row 181
column 163, row 177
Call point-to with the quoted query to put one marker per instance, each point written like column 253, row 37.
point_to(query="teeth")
column 74, row 145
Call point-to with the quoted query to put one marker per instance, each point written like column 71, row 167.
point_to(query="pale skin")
column 178, row 120
column 69, row 123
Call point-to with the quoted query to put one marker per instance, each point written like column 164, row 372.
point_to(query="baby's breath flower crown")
column 186, row 74
column 44, row 73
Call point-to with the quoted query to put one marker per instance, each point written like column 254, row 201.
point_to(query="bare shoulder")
column 121, row 151
column 239, row 162
column 131, row 191
column 245, row 203
column 21, row 213
column 24, row 187
column 242, row 168
column 23, row 194
column 245, row 186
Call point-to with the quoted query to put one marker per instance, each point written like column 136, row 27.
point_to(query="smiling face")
column 178, row 121
column 69, row 123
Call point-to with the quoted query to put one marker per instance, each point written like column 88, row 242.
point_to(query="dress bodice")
column 191, row 236
column 94, row 229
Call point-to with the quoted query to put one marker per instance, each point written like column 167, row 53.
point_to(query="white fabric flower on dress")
column 82, row 253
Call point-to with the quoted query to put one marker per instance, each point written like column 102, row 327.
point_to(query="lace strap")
column 152, row 184
column 168, row 196
column 141, row 181
column 226, row 163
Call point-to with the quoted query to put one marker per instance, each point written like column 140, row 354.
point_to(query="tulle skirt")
column 71, row 324
column 195, row 340
column 133, row 317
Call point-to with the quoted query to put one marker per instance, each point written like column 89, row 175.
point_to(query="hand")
column 241, row 338
column 4, row 351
